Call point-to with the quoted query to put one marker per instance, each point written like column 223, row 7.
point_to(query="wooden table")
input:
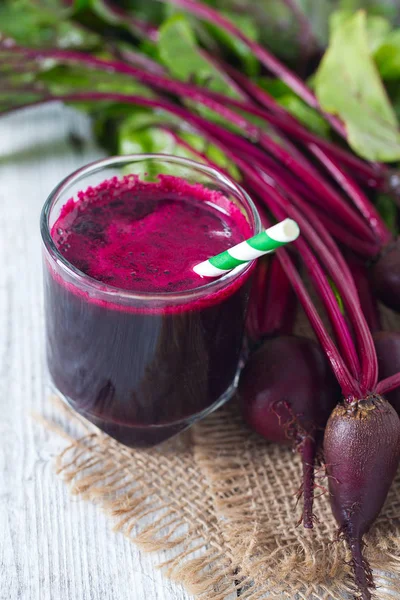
column 52, row 546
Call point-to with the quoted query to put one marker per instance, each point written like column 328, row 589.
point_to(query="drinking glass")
column 143, row 366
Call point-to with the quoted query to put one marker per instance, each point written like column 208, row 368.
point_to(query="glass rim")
column 112, row 291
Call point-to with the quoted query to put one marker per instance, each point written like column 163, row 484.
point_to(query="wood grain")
column 52, row 547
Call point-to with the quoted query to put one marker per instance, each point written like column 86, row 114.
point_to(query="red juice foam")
column 144, row 374
column 146, row 237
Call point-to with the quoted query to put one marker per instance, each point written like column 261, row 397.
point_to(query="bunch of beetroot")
column 335, row 399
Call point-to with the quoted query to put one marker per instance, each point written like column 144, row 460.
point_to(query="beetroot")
column 387, row 345
column 287, row 392
column 385, row 276
column 362, row 453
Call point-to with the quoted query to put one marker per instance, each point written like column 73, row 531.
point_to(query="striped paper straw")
column 263, row 243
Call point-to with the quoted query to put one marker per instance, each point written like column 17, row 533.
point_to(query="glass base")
column 149, row 435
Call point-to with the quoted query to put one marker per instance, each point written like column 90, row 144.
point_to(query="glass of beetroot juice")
column 137, row 342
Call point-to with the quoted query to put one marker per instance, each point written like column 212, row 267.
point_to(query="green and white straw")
column 263, row 243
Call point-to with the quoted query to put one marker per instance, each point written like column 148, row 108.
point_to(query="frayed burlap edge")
column 222, row 502
column 158, row 498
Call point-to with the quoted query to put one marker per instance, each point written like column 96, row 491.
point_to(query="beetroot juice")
column 136, row 341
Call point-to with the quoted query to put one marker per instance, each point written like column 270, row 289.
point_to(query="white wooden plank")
column 52, row 547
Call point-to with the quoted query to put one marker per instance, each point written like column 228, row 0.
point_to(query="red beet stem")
column 289, row 182
column 360, row 247
column 220, row 66
column 388, row 385
column 185, row 144
column 307, row 39
column 276, row 203
column 309, row 214
column 340, row 208
column 366, row 207
column 369, row 370
column 139, row 60
column 281, row 118
column 302, row 168
column 347, row 382
column 257, row 299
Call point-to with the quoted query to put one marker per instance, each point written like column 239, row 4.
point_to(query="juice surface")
column 146, row 237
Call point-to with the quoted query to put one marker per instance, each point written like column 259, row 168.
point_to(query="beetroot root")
column 362, row 453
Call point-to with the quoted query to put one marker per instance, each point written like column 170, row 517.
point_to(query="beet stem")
column 138, row 59
column 320, row 230
column 281, row 118
column 302, row 168
column 388, row 385
column 360, row 247
column 348, row 384
column 340, row 209
column 275, row 203
column 366, row 207
column 369, row 364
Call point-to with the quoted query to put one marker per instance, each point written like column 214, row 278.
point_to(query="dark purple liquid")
column 142, row 371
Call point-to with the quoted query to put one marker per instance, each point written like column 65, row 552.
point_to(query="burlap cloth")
column 222, row 502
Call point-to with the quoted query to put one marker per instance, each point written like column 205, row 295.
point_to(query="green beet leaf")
column 377, row 30
column 347, row 84
column 387, row 56
column 79, row 5
column 377, row 27
column 179, row 52
column 43, row 24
